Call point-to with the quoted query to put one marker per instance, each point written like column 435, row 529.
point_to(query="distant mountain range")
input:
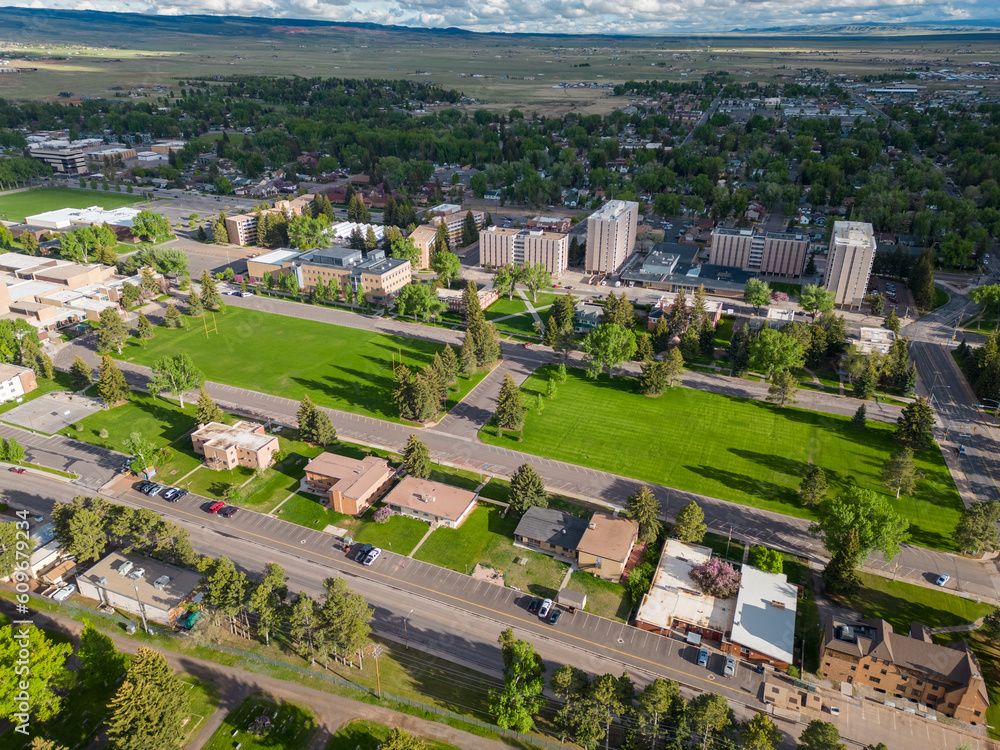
column 38, row 24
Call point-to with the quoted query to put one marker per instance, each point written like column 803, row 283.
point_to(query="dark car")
column 554, row 617
column 154, row 489
column 362, row 552
column 173, row 494
column 229, row 511
column 534, row 604
column 143, row 485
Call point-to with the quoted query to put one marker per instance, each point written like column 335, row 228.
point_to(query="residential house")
column 347, row 485
column 550, row 531
column 434, row 502
column 606, row 544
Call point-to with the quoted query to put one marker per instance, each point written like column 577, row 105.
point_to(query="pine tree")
column 451, row 364
column 706, row 338
column 150, row 707
column 210, row 297
column 674, row 363
column 80, row 374
column 915, row 425
column 402, row 392
column 426, row 403
column 653, row 377
column 195, row 308
column 207, row 410
column 841, row 575
column 144, row 328
column 470, row 232
column 510, row 406
column 699, row 312
column 111, row 385
column 467, row 357
column 112, row 333
column 323, row 432
column 527, row 489
column 306, row 417
column 471, row 309
column 891, row 321
column 644, row 348
column 643, row 508
column 812, row 489
column 219, row 234
column 416, row 458
column 485, row 342
column 859, row 421
column 689, row 525
column 201, row 235
column 172, row 318
column 661, row 335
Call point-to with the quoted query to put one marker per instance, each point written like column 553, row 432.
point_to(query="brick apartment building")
column 499, row 246
column 242, row 229
column 452, row 215
column 347, row 485
column 776, row 253
column 228, row 446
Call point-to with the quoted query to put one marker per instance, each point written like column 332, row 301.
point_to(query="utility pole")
column 376, row 653
column 406, row 634
column 142, row 612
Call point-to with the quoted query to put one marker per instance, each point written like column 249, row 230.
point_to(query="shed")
column 570, row 598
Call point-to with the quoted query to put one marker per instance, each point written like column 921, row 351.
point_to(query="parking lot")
column 897, row 296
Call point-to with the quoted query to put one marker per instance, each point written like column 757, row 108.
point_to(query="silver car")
column 730, row 668
column 544, row 610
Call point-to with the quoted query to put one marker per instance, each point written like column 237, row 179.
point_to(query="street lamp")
column 932, row 391
column 406, row 634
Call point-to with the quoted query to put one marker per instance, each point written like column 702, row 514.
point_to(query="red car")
column 16, row 469
column 216, row 506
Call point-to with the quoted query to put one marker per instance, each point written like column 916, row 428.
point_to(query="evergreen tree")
column 689, row 525
column 471, row 309
column 210, row 297
column 812, row 489
column 201, row 235
column 150, row 707
column 661, row 335
column 527, row 489
column 864, row 384
column 690, row 344
column 100, row 662
column 470, row 232
column 783, row 388
column 653, row 379
column 219, row 234
column 643, row 508
column 306, row 417
column 859, row 420
column 977, row 528
column 416, row 458
column 207, row 410
column 706, row 339
column 195, row 308
column 111, row 385
column 450, row 363
column 739, row 352
column 914, row 426
column 144, row 329
column 674, row 363
column 510, row 406
column 644, row 348
column 321, row 432
column 485, row 342
column 891, row 321
column 678, row 315
column 172, row 318
column 111, row 333
column 80, row 374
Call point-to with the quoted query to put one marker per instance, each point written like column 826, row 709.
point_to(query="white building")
column 66, row 219
column 875, row 340
column 849, row 262
column 611, row 233
column 15, row 381
column 764, row 620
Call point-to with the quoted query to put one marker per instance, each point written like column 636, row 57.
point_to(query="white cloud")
column 560, row 16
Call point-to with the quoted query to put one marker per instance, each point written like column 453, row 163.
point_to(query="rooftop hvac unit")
column 160, row 582
column 102, row 580
column 591, row 525
column 125, row 567
column 136, row 574
column 777, row 605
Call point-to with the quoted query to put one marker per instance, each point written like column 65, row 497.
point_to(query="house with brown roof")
column 433, row 502
column 228, row 446
column 868, row 652
column 348, row 485
column 606, row 545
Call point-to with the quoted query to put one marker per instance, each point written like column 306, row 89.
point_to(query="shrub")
column 717, row 578
column 383, row 514
column 104, row 434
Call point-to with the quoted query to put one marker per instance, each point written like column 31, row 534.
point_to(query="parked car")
column 534, row 604
column 703, row 657
column 141, row 487
column 64, row 593
column 544, row 610
column 156, row 489
column 216, row 506
column 362, row 552
column 942, row 579
column 246, row 294
column 554, row 617
column 173, row 494
column 16, row 469
column 229, row 511
column 372, row 556
column 730, row 668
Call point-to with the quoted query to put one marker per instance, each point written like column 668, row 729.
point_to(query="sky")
column 565, row 16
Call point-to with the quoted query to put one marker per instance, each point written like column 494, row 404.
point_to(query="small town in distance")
column 651, row 402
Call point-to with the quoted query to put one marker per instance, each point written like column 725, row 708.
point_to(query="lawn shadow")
column 783, row 465
column 747, row 485
column 356, row 389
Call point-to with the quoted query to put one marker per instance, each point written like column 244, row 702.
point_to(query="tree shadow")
column 784, row 465
column 746, row 484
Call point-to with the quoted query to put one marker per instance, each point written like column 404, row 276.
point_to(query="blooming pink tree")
column 717, row 578
column 779, row 297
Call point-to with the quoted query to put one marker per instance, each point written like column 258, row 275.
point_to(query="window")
column 883, row 671
column 914, row 692
column 876, row 680
column 867, row 666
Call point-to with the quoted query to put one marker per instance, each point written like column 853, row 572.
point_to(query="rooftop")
column 176, row 587
column 241, row 435
column 354, row 478
column 278, row 256
column 434, row 498
column 765, row 614
column 614, row 209
column 552, row 526
column 8, row 371
column 609, row 537
column 853, row 233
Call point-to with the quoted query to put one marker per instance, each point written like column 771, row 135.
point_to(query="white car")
column 64, row 593
column 942, row 579
column 372, row 556
column 544, row 610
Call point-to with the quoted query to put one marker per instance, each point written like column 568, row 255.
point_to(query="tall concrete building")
column 849, row 262
column 524, row 247
column 611, row 236
column 775, row 253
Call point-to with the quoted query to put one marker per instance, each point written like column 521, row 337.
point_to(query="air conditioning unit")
column 160, row 582
column 103, row 581
column 125, row 567
column 136, row 574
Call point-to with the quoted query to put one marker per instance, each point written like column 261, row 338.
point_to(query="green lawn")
column 792, row 290
column 901, row 603
column 156, row 419
column 203, row 702
column 604, row 598
column 523, row 325
column 59, row 383
column 343, row 368
column 306, row 510
column 293, row 727
column 16, row 206
column 940, row 298
column 740, row 450
column 487, row 538
column 368, row 735
column 399, row 534
column 724, row 331
column 720, row 544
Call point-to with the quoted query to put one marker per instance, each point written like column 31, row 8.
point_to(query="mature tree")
column 40, row 743
column 207, row 410
column 659, row 703
column 535, row 277
column 111, row 385
column 739, row 351
column 176, row 374
column 100, row 662
column 716, row 577
column 130, row 295
column 899, row 473
column 400, row 739
column 771, row 351
column 320, row 430
column 111, row 331
column 816, row 299
column 868, row 514
column 305, row 232
column 510, row 406
column 915, row 424
column 150, row 707
column 343, row 622
column 654, row 376
column 783, row 388
column 447, row 266
column 515, row 705
column 9, row 552
column 977, row 528
column 144, row 329
column 416, row 458
column 505, row 280
column 80, row 374
column 760, row 733
column 820, row 735
column 41, row 675
column 527, row 489
column 301, row 621
column 267, row 598
column 891, row 321
column 812, row 489
column 143, row 450
column 756, row 293
column 172, row 318
column 644, row 348
column 608, row 345
column 470, row 230
column 210, row 297
column 841, row 574
column 150, row 226
column 689, row 525
column 876, row 304
column 991, row 624
column 228, row 587
column 866, row 382
column 859, row 420
column 709, row 715
column 766, row 559
column 484, row 342
column 80, row 527
column 644, row 508
column 194, row 306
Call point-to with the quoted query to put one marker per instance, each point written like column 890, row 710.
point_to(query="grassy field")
column 16, row 206
column 156, row 419
column 293, row 727
column 604, row 598
column 343, row 368
column 940, row 298
column 368, row 735
column 735, row 449
column 487, row 537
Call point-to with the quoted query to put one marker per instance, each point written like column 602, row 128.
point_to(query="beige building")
column 773, row 253
column 868, row 652
column 242, row 229
column 452, row 216
column 347, row 485
column 423, row 239
column 606, row 545
column 140, row 585
column 433, row 502
column 15, row 381
column 849, row 262
column 611, row 236
column 524, row 247
column 229, row 446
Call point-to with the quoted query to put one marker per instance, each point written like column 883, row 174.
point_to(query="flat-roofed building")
column 453, row 217
column 611, row 232
column 272, row 262
column 764, row 620
column 228, row 446
column 560, row 224
column 872, row 339
column 849, row 262
column 15, row 381
column 140, row 585
column 347, row 485
column 499, row 246
column 66, row 219
column 676, row 601
column 775, row 253
column 423, row 239
column 713, row 308
column 434, row 502
column 62, row 160
column 242, row 228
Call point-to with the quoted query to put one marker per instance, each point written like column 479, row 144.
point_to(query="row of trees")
column 421, row 395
